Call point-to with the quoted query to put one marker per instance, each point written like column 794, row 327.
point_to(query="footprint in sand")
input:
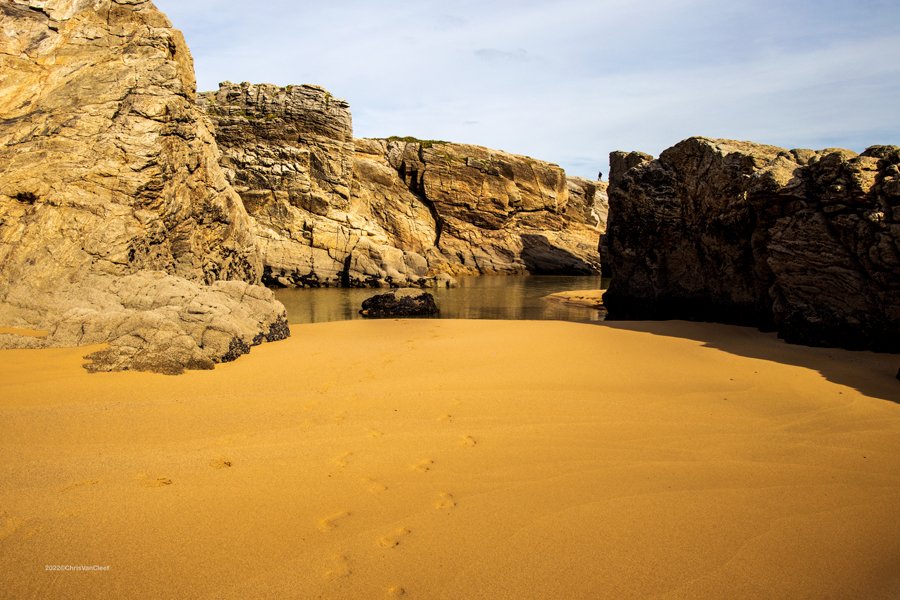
column 220, row 463
column 375, row 434
column 468, row 441
column 343, row 460
column 78, row 484
column 158, row 482
column 374, row 487
column 148, row 481
column 423, row 465
column 445, row 501
column 395, row 591
column 446, row 418
column 393, row 540
column 9, row 525
column 331, row 522
column 340, row 568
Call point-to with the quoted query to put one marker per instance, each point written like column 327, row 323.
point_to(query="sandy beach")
column 458, row 459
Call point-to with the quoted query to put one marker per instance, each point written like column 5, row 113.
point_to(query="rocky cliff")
column 805, row 242
column 114, row 213
column 331, row 210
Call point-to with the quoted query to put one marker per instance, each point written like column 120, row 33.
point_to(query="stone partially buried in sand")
column 400, row 303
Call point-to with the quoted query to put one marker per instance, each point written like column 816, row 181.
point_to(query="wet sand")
column 458, row 459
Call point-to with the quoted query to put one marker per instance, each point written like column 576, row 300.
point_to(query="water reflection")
column 497, row 297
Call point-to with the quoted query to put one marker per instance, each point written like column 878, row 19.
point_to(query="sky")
column 569, row 81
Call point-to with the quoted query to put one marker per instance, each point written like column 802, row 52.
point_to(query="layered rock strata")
column 804, row 242
column 114, row 212
column 331, row 210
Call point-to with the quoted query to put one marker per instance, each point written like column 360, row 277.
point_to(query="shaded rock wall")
column 330, row 210
column 110, row 171
column 805, row 242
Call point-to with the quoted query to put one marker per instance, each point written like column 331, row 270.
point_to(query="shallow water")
column 488, row 297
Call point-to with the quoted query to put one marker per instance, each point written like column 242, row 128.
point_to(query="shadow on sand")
column 870, row 373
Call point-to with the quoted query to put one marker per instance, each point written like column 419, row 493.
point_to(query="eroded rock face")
column 805, row 242
column 330, row 210
column 110, row 171
column 106, row 158
column 497, row 212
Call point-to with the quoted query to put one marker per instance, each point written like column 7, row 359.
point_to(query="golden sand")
column 458, row 459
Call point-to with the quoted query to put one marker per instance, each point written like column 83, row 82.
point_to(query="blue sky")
column 569, row 81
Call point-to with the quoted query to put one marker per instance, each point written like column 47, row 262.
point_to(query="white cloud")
column 569, row 81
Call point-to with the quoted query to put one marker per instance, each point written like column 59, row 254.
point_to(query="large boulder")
column 803, row 242
column 331, row 210
column 110, row 172
column 400, row 303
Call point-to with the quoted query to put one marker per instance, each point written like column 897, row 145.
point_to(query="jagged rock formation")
column 330, row 210
column 805, row 242
column 113, row 208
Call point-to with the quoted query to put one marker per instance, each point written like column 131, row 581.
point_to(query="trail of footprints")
column 443, row 501
column 155, row 482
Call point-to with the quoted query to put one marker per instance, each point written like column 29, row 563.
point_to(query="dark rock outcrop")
column 620, row 162
column 116, row 221
column 331, row 210
column 400, row 303
column 803, row 242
